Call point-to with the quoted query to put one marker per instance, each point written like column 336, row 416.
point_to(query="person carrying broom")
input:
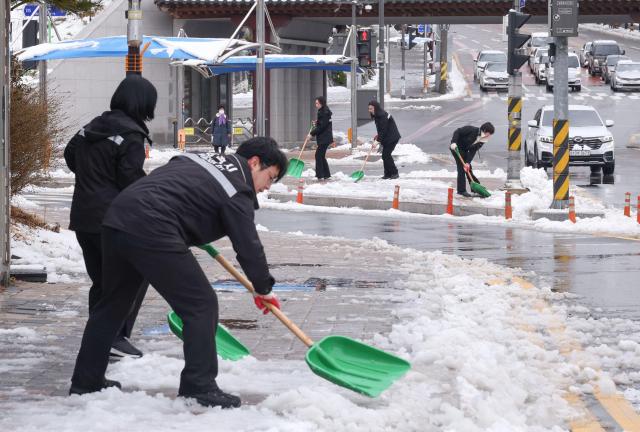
column 465, row 142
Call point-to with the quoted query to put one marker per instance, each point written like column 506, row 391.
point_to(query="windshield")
column 626, row 67
column 603, row 50
column 539, row 41
column 492, row 57
column 574, row 62
column 497, row 67
column 577, row 118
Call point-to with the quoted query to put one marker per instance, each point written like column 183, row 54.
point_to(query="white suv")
column 575, row 80
column 590, row 142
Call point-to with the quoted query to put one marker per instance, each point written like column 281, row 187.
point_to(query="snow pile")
column 481, row 357
column 403, row 154
column 160, row 156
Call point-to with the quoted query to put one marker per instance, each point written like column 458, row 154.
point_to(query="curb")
column 374, row 204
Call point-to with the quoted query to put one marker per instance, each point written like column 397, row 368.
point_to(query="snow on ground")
column 160, row 156
column 621, row 31
column 481, row 361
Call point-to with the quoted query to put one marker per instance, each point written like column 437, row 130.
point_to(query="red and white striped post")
column 572, row 209
column 396, row 198
column 508, row 212
column 450, row 201
column 627, row 204
column 299, row 198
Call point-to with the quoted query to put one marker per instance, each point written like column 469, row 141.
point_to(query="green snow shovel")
column 359, row 175
column 296, row 166
column 343, row 361
column 227, row 346
column 475, row 185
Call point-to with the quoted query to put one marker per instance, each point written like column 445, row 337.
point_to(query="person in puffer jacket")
column 106, row 156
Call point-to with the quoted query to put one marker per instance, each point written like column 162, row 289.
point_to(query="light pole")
column 5, row 167
column 260, row 70
column 354, row 76
column 381, row 53
column 134, row 38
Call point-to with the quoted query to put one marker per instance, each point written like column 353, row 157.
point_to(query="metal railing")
column 198, row 133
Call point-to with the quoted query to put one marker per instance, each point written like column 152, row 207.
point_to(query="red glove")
column 261, row 299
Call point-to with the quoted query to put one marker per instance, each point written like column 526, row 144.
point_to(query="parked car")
column 584, row 61
column 538, row 39
column 626, row 76
column 494, row 76
column 574, row 78
column 486, row 56
column 598, row 52
column 590, row 141
column 609, row 66
column 535, row 53
column 540, row 68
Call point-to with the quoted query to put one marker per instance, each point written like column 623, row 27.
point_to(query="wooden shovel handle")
column 367, row 158
column 463, row 162
column 306, row 140
column 274, row 310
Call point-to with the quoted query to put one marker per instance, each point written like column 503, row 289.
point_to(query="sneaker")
column 121, row 347
column 79, row 390
column 465, row 194
column 393, row 177
column 216, row 398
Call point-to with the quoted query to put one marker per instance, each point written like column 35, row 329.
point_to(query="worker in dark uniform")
column 468, row 140
column 107, row 155
column 387, row 136
column 147, row 232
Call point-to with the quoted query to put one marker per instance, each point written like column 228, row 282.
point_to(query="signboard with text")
column 53, row 11
column 563, row 18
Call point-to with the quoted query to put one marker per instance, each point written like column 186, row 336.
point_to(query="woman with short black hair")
column 220, row 131
column 106, row 156
column 387, row 136
column 323, row 131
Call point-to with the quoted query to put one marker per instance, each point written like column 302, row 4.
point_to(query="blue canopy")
column 280, row 61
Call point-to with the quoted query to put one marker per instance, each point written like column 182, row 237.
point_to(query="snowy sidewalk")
column 488, row 350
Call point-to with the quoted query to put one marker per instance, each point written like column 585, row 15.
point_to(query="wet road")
column 603, row 271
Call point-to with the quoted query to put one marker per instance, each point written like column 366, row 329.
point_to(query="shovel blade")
column 295, row 168
column 357, row 176
column 480, row 190
column 227, row 346
column 354, row 365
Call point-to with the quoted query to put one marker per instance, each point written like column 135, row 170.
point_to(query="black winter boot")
column 79, row 390
column 215, row 398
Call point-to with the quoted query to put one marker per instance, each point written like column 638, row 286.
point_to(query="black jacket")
column 193, row 200
column 323, row 130
column 386, row 128
column 466, row 137
column 106, row 156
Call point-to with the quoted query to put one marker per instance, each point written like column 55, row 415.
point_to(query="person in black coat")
column 323, row 131
column 220, row 131
column 147, row 233
column 106, row 156
column 468, row 140
column 387, row 136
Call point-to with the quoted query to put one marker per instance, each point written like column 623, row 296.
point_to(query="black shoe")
column 121, row 347
column 393, row 177
column 79, row 390
column 385, row 177
column 465, row 194
column 215, row 398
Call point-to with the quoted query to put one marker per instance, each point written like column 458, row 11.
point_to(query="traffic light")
column 515, row 57
column 363, row 48
column 412, row 32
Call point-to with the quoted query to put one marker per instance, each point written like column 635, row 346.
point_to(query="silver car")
column 584, row 60
column 494, row 76
column 626, row 76
column 590, row 141
column 486, row 56
column 574, row 77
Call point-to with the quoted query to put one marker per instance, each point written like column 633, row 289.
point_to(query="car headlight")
column 544, row 139
column 605, row 139
column 596, row 62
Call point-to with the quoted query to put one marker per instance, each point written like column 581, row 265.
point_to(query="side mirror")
column 475, row 60
column 533, row 123
column 609, row 123
column 622, row 52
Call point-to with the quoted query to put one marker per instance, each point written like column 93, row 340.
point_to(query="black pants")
column 387, row 160
column 91, row 245
column 322, row 167
column 462, row 179
column 179, row 279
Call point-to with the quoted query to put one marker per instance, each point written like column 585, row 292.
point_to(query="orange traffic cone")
column 450, row 201
column 300, row 199
column 572, row 209
column 396, row 198
column 508, row 212
column 627, row 204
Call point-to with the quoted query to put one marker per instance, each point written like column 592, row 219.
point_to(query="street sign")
column 53, row 11
column 522, row 3
column 563, row 18
column 421, row 29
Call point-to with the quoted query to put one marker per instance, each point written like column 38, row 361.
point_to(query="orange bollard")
column 396, row 198
column 572, row 209
column 146, row 151
column 627, row 204
column 450, row 202
column 182, row 139
column 300, row 199
column 508, row 212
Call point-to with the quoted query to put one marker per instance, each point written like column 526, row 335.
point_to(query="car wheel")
column 577, row 88
column 536, row 162
column 614, row 87
column 526, row 156
column 484, row 89
column 537, row 79
column 549, row 88
column 591, row 72
column 609, row 168
column 607, row 80
column 595, row 169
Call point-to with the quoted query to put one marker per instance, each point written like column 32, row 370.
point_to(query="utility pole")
column 354, row 76
column 515, row 60
column 444, row 35
column 388, row 61
column 403, row 48
column 5, row 167
column 260, row 70
column 42, row 64
column 425, row 72
column 436, row 56
column 133, row 64
column 381, row 52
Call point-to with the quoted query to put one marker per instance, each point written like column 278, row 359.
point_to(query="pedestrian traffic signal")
column 363, row 47
column 412, row 32
column 515, row 57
